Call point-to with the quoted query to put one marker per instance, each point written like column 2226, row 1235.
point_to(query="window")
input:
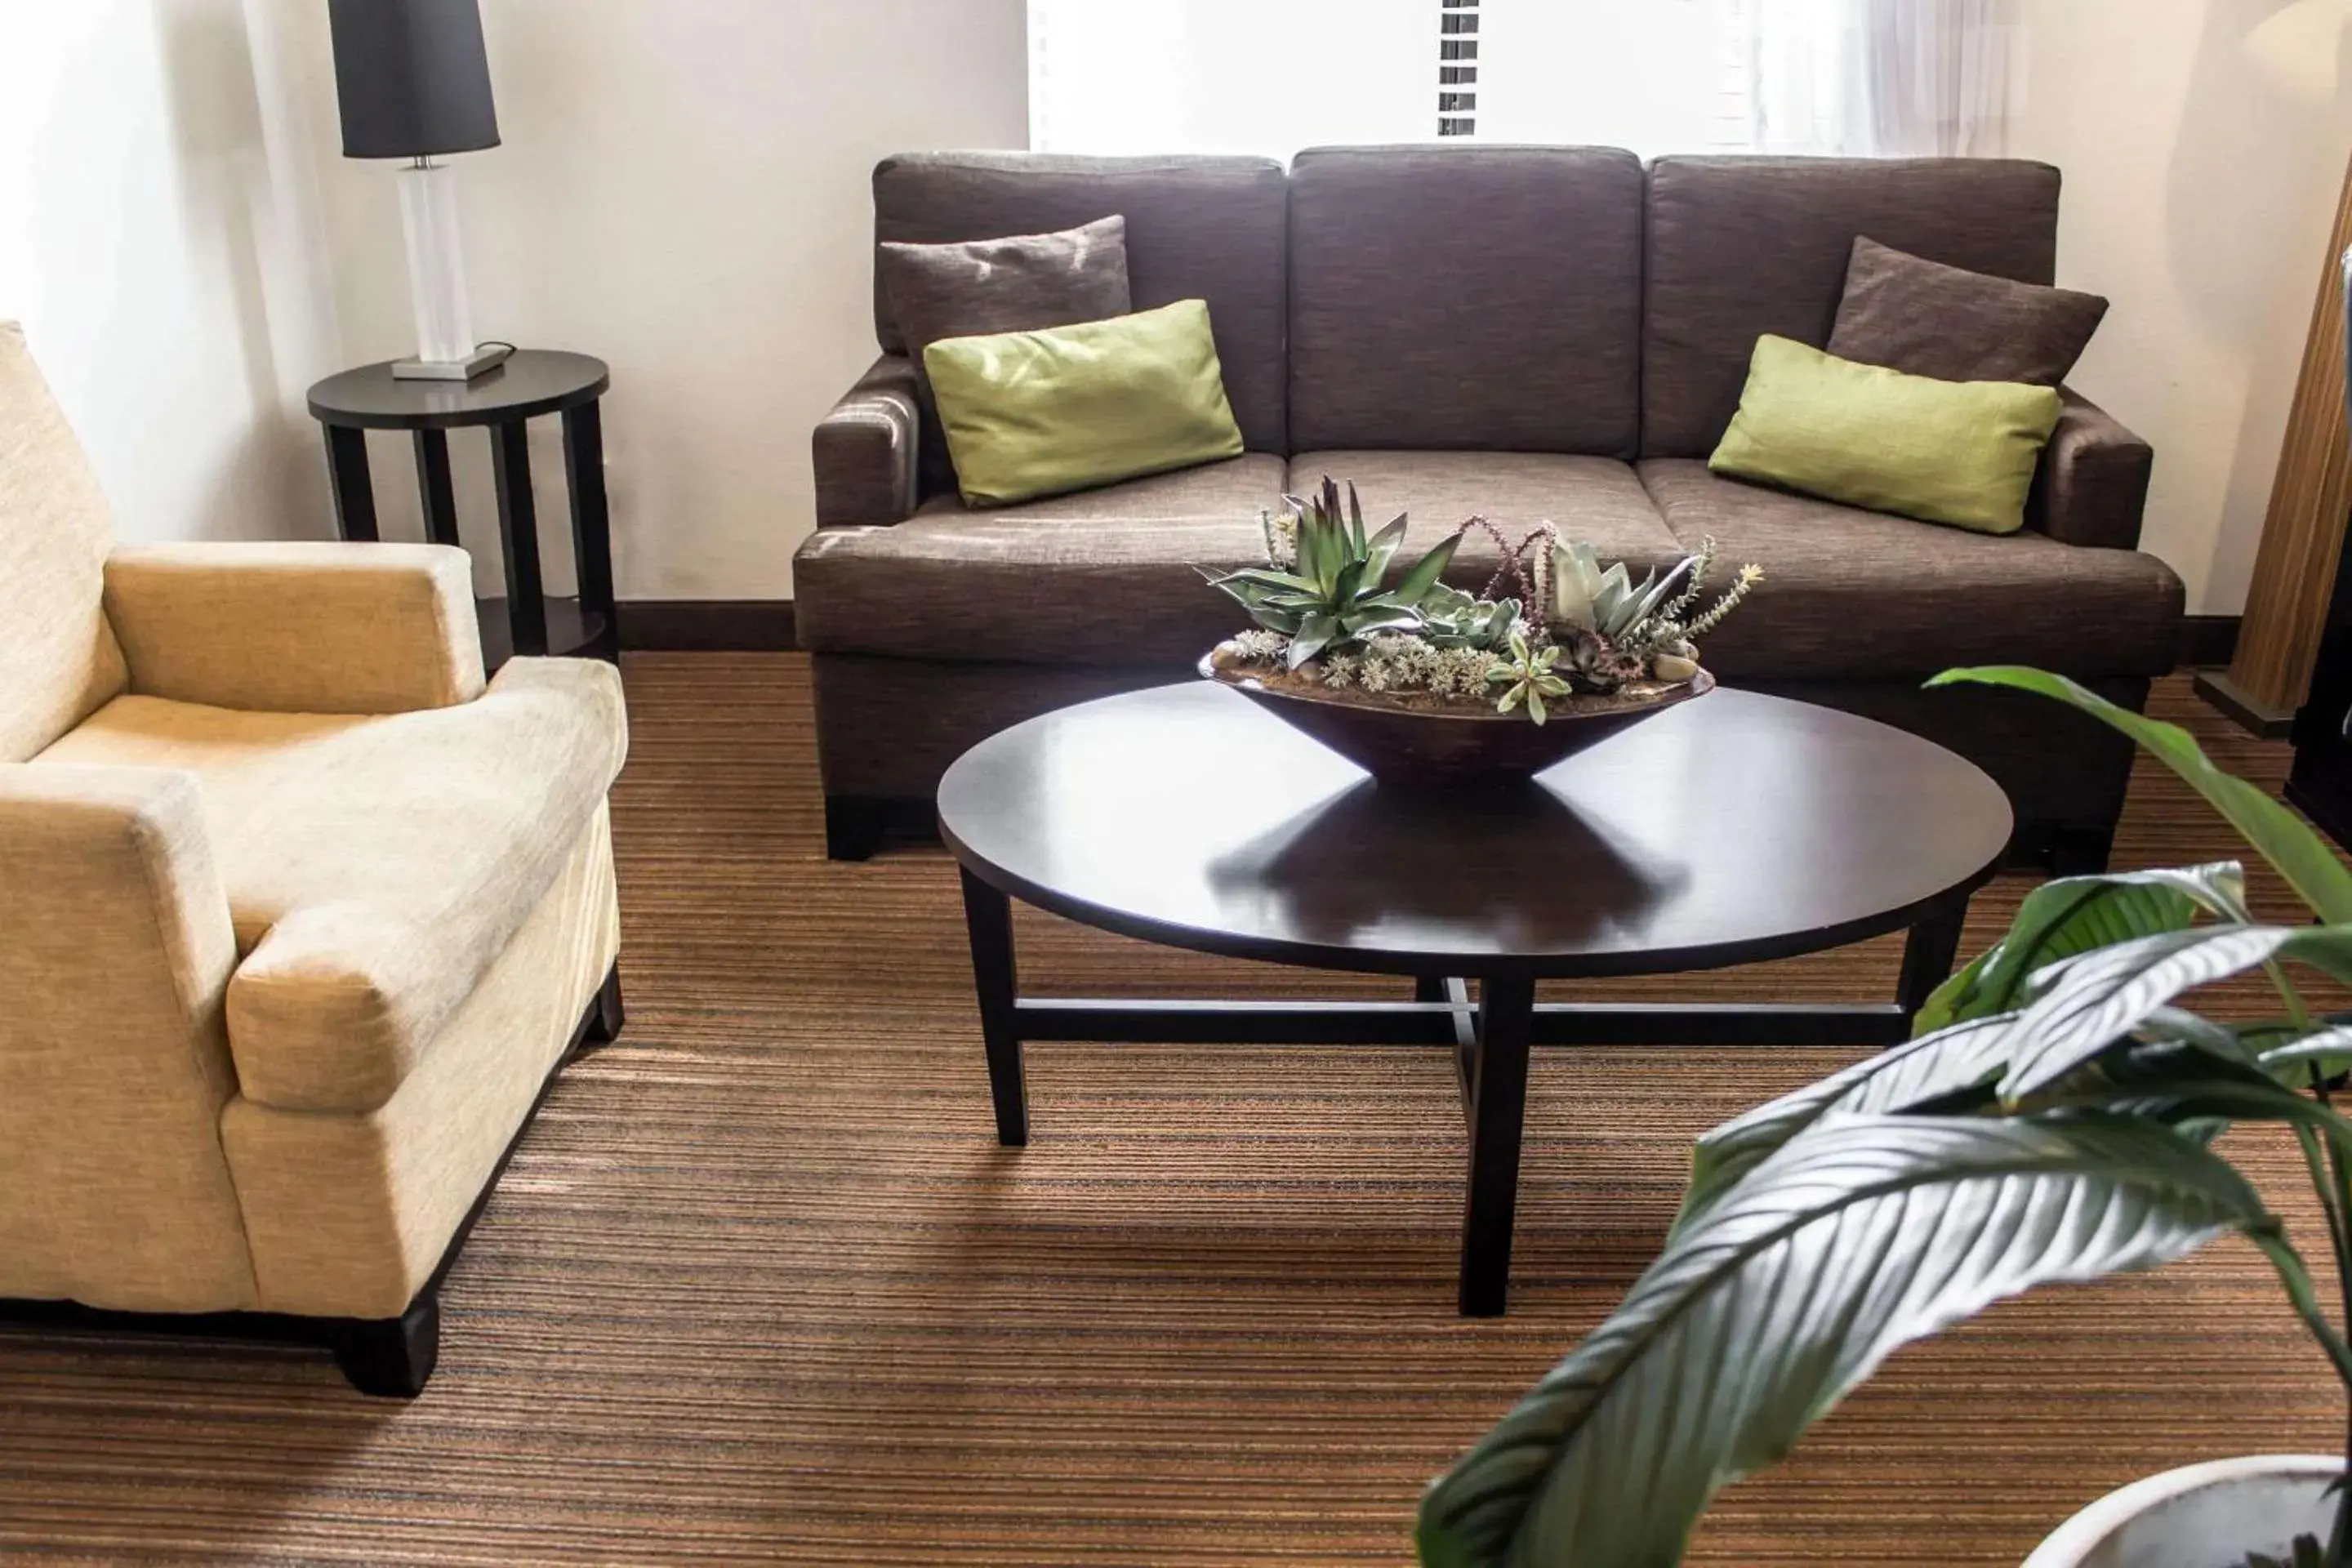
column 1273, row 76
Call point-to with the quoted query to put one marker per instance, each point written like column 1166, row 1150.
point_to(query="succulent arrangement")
column 1328, row 616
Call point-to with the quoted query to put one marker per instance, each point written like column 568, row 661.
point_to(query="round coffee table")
column 1730, row 829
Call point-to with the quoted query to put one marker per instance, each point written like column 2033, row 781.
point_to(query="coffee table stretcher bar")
column 1490, row 1039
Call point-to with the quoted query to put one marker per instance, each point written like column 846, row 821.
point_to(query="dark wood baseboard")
column 2207, row 642
column 708, row 626
column 766, row 626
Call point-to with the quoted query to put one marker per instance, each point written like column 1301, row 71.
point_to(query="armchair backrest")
column 59, row 659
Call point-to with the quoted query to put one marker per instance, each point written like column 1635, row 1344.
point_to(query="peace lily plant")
column 2053, row 1121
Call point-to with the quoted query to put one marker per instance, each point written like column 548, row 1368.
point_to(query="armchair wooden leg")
column 606, row 1013
column 391, row 1358
column 853, row 827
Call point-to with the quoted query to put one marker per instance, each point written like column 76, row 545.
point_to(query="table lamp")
column 412, row 81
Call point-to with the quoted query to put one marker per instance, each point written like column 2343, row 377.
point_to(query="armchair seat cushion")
column 1851, row 594
column 375, row 865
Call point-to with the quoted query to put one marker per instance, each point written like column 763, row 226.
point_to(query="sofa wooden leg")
column 606, row 1013
column 853, row 827
column 391, row 1358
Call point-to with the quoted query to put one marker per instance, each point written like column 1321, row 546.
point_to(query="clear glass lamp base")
column 446, row 347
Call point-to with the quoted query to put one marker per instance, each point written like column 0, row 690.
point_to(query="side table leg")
column 347, row 475
column 1927, row 955
column 988, row 917
column 592, row 520
column 519, row 535
column 435, row 492
column 1498, row 1098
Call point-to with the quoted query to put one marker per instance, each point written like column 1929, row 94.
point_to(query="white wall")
column 2204, row 144
column 683, row 191
column 159, row 239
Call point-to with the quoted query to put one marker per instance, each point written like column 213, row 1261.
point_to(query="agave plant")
column 1608, row 604
column 1334, row 593
column 2052, row 1123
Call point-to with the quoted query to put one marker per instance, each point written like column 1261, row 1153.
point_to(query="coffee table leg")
column 1498, row 1098
column 988, row 917
column 1927, row 955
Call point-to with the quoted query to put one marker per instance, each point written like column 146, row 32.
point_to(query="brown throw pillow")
column 979, row 287
column 1924, row 317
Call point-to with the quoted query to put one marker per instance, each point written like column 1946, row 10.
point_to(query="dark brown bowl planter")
column 1413, row 739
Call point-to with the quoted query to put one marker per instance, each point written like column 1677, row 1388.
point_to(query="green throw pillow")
column 1033, row 414
column 1961, row 452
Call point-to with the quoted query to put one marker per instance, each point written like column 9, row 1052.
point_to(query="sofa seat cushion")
column 1597, row 500
column 1101, row 577
column 1855, row 594
column 375, row 865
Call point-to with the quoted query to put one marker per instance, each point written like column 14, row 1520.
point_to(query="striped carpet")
column 761, row 1287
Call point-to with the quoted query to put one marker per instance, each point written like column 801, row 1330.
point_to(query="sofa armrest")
column 864, row 448
column 2092, row 483
column 114, row 1064
column 298, row 628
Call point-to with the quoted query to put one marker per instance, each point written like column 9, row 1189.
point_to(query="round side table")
column 532, row 382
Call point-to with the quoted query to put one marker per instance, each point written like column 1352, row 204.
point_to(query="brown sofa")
column 1525, row 333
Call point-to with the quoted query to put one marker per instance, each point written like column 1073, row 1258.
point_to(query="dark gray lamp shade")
column 412, row 78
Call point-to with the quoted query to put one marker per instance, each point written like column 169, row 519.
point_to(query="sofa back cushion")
column 1484, row 298
column 1197, row 229
column 59, row 659
column 1740, row 247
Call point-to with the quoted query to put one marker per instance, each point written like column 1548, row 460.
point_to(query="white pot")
column 2201, row 1516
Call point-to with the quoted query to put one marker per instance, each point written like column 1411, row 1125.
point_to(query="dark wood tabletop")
column 1733, row 829
column 526, row 385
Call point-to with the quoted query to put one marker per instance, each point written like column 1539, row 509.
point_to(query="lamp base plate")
column 487, row 357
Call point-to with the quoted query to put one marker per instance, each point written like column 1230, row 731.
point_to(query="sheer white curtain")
column 1229, row 76
column 1863, row 77
column 1883, row 77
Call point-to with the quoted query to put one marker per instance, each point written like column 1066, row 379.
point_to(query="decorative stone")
column 1673, row 667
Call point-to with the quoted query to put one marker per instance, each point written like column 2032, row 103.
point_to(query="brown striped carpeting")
column 760, row 1286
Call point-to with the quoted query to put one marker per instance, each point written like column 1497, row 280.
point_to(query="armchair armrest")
column 2093, row 482
column 302, row 627
column 114, row 1063
column 864, row 448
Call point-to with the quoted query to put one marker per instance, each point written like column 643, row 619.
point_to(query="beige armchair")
column 297, row 916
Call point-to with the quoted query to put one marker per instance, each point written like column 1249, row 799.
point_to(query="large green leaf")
column 1267, row 578
column 2075, row 914
column 1866, row 1234
column 1314, row 634
column 2073, row 1011
column 2326, row 1051
column 2172, row 1082
column 1422, row 574
column 1934, row 1071
column 2084, row 1004
column 2303, row 857
column 1380, row 550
